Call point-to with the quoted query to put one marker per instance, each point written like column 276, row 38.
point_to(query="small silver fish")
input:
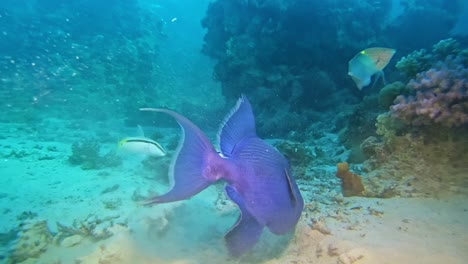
column 141, row 145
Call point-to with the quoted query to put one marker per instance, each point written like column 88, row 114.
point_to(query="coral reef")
column 33, row 240
column 357, row 125
column 445, row 48
column 92, row 227
column 86, row 153
column 388, row 127
column 422, row 60
column 351, row 184
column 440, row 96
column 389, row 92
column 413, row 164
column 247, row 40
column 415, row 62
column 255, row 48
column 423, row 136
column 373, row 147
column 438, row 90
column 299, row 155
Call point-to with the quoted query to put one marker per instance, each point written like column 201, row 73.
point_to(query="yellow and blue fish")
column 367, row 63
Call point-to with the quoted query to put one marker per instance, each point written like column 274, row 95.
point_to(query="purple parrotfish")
column 258, row 177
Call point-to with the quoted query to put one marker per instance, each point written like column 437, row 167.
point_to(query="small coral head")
column 342, row 168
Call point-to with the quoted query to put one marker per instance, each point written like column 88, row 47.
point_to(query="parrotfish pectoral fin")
column 238, row 124
column 378, row 75
column 292, row 189
column 188, row 164
column 245, row 232
column 383, row 78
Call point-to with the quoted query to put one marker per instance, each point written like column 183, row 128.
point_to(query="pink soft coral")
column 440, row 97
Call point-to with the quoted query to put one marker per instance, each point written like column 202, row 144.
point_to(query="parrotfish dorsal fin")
column 380, row 56
column 246, row 231
column 238, row 124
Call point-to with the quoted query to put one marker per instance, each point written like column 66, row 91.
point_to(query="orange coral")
column 351, row 184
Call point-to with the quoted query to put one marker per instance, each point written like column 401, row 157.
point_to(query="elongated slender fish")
column 258, row 177
column 141, row 145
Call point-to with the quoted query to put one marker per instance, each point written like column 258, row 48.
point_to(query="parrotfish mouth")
column 258, row 176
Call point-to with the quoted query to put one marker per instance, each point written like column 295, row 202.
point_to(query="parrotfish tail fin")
column 238, row 124
column 186, row 171
column 246, row 231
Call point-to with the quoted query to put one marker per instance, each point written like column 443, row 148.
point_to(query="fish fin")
column 383, row 78
column 246, row 231
column 140, row 132
column 357, row 81
column 188, row 164
column 378, row 75
column 238, row 124
column 291, row 190
column 277, row 200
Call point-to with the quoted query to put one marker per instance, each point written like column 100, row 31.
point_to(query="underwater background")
column 383, row 170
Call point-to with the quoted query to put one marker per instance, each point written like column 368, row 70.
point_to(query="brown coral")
column 351, row 184
column 33, row 240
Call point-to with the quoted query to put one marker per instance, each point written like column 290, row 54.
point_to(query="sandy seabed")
column 53, row 212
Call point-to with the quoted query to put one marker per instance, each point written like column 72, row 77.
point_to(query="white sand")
column 411, row 230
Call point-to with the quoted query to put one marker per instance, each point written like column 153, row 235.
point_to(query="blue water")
column 73, row 75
